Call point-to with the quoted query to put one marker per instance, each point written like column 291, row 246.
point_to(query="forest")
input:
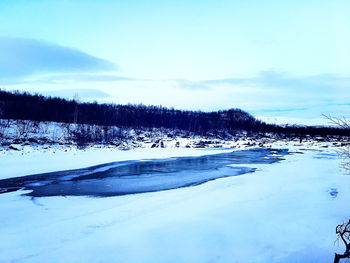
column 25, row 106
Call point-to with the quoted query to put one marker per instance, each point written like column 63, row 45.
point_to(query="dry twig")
column 343, row 232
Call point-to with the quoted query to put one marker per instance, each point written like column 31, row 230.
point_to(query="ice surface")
column 14, row 164
column 130, row 177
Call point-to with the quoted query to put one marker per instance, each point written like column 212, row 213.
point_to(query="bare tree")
column 24, row 128
column 342, row 230
column 4, row 129
column 340, row 122
column 345, row 155
column 76, row 108
column 343, row 152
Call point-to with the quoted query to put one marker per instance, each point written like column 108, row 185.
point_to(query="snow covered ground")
column 284, row 212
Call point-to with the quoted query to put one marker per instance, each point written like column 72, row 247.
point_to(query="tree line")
column 25, row 106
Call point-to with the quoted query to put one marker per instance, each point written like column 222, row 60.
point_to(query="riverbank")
column 30, row 159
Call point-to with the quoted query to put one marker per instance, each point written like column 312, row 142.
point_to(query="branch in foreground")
column 343, row 232
column 340, row 122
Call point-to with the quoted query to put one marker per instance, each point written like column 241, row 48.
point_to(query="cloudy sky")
column 285, row 61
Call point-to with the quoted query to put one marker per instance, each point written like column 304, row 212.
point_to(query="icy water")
column 131, row 177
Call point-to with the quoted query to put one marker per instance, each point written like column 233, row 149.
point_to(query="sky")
column 282, row 61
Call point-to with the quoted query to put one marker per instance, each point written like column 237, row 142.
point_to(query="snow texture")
column 283, row 212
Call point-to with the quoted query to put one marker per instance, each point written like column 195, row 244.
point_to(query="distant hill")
column 26, row 106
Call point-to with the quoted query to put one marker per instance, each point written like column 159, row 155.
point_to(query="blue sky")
column 283, row 60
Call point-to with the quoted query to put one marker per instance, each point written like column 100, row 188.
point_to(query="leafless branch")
column 340, row 122
column 343, row 232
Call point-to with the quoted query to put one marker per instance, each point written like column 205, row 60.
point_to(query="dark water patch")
column 333, row 192
column 326, row 156
column 130, row 177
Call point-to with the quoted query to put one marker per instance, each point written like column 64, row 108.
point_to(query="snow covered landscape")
column 160, row 195
column 281, row 212
column 174, row 131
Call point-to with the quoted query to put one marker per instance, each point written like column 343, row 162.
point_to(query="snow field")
column 283, row 212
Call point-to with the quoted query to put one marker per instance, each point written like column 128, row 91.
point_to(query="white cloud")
column 21, row 58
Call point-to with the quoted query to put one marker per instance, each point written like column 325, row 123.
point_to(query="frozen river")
column 140, row 176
